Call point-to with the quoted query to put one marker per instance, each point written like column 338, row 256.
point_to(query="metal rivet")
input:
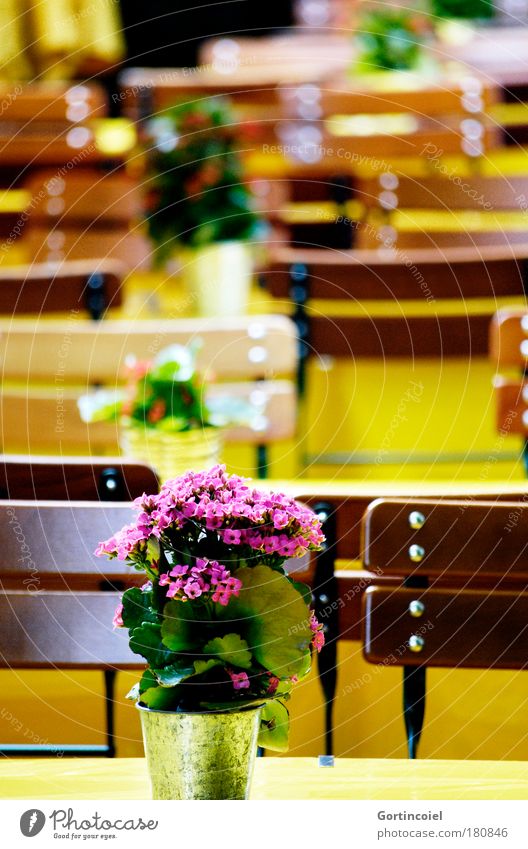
column 416, row 643
column 416, row 520
column 416, row 608
column 416, row 553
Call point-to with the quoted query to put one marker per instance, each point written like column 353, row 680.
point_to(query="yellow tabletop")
column 276, row 778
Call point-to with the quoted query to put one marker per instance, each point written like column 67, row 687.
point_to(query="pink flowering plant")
column 219, row 621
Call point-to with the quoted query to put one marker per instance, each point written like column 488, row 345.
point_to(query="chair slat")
column 50, row 630
column 481, row 629
column 73, row 478
column 457, row 538
column 44, row 288
column 231, row 348
column 391, row 274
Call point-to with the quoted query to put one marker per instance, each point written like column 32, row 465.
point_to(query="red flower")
column 157, row 411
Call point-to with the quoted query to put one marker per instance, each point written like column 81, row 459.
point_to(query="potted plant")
column 163, row 417
column 390, row 39
column 225, row 631
column 198, row 202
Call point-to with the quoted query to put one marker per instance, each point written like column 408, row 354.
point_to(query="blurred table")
column 276, row 778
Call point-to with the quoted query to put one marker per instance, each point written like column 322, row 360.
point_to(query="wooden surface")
column 277, row 778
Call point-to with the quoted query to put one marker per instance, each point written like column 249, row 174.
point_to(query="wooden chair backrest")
column 74, row 478
column 463, row 577
column 252, row 358
column 80, row 196
column 77, row 286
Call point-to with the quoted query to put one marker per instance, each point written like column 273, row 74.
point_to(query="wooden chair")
column 509, row 356
column 251, row 358
column 62, row 616
column 340, row 577
column 83, row 215
column 461, row 600
column 89, row 286
column 74, row 478
column 57, row 599
column 297, row 276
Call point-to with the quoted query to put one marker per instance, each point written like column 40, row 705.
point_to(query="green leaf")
column 274, row 620
column 231, row 649
column 274, row 727
column 160, row 698
column 201, row 666
column 305, row 591
column 146, row 641
column 148, row 679
column 136, row 608
column 173, row 674
column 177, row 631
column 133, row 693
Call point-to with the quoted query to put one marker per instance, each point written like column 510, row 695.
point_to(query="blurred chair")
column 252, row 359
column 74, row 478
column 509, row 356
column 461, row 599
column 83, row 215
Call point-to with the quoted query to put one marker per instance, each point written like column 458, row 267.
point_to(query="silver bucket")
column 200, row 755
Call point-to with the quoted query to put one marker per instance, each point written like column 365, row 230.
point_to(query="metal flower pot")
column 200, row 755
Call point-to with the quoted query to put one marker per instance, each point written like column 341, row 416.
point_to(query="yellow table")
column 276, row 778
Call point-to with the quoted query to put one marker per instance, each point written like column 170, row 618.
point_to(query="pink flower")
column 118, row 617
column 192, row 589
column 273, row 684
column 240, row 680
column 318, row 639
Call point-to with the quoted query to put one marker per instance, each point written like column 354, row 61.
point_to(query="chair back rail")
column 386, row 274
column 458, row 537
column 80, row 196
column 237, row 348
column 32, row 422
column 55, row 101
column 83, row 286
column 468, row 192
column 61, row 630
column 74, row 478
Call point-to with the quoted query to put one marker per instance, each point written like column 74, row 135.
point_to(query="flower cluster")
column 214, row 506
column 204, row 578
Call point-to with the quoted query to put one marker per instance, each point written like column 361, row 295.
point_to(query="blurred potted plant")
column 162, row 414
column 391, row 39
column 226, row 633
column 199, row 203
